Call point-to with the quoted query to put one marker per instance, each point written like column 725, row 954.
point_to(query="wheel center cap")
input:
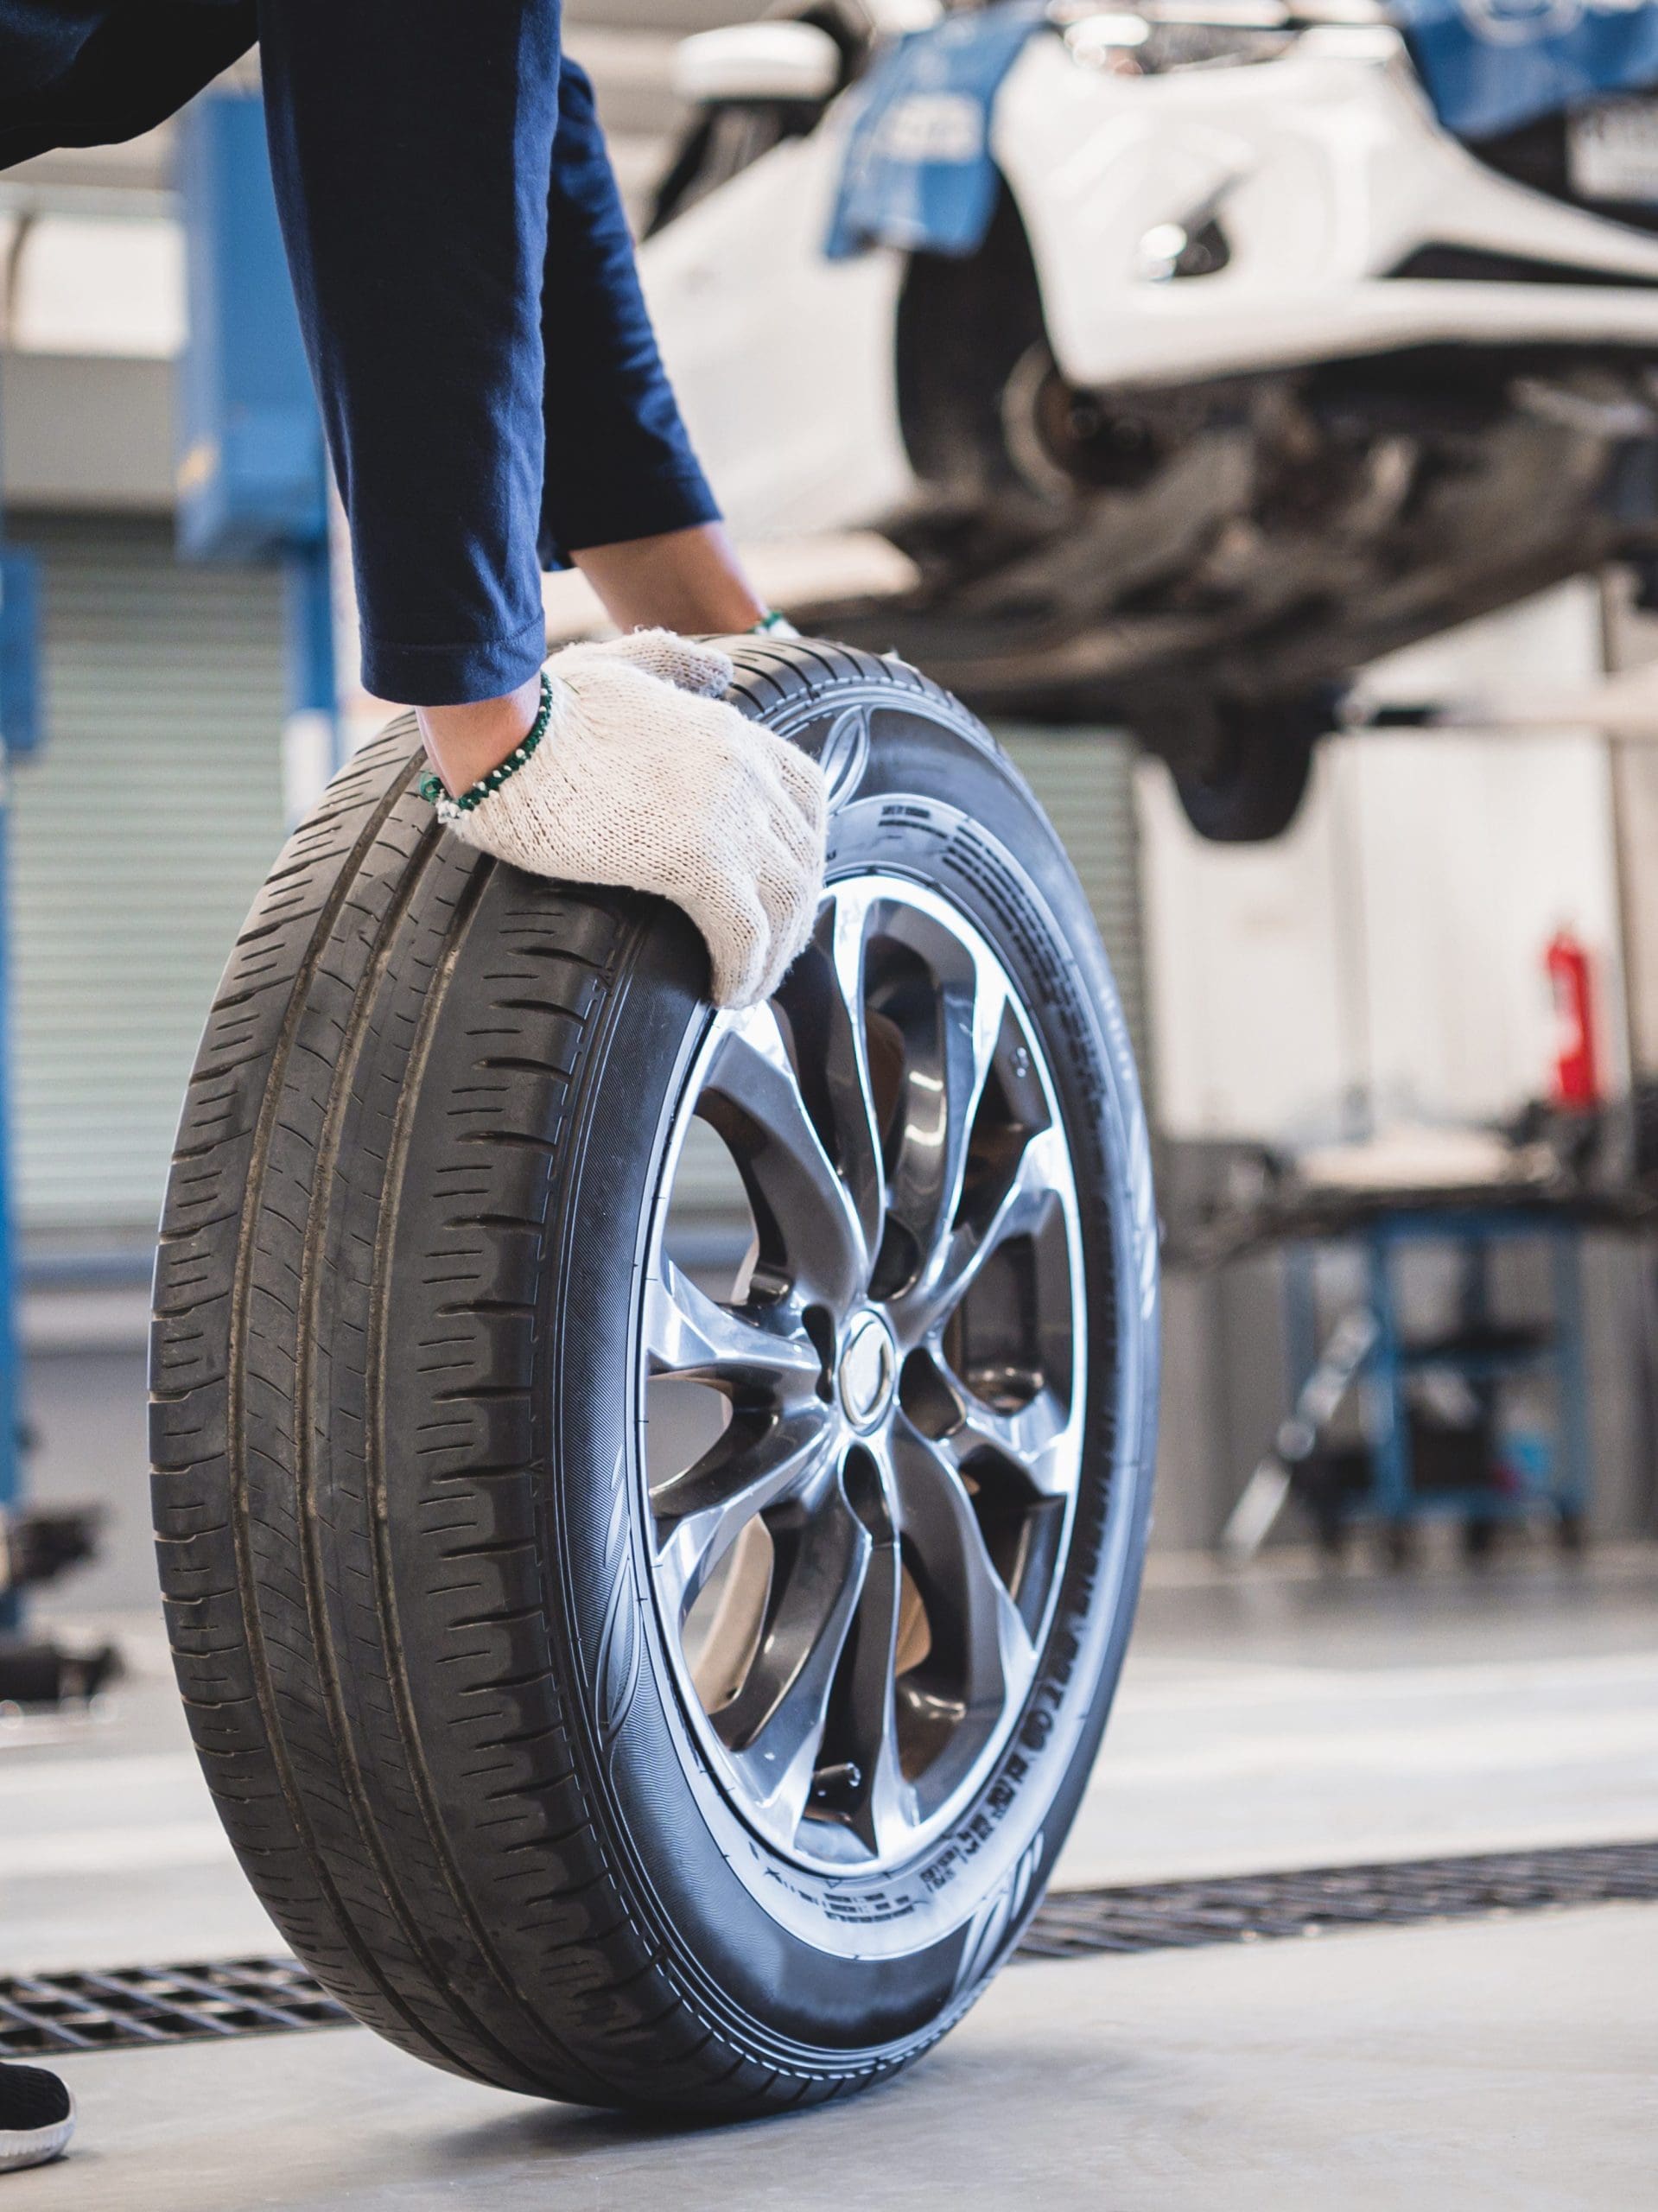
column 868, row 1371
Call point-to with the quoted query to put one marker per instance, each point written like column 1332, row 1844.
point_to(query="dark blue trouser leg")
column 466, row 286
column 619, row 464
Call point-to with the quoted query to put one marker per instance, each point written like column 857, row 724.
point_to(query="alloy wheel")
column 859, row 1517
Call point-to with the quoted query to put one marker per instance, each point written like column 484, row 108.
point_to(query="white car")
column 1256, row 372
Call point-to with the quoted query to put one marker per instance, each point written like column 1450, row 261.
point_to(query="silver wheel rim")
column 855, row 1575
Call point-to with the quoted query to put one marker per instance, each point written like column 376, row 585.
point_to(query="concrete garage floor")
column 1280, row 1718
column 1497, row 2065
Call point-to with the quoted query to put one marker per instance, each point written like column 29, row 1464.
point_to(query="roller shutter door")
column 139, row 838
column 1084, row 780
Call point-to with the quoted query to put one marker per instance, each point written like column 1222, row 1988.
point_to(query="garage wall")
column 1635, row 782
column 1383, row 963
column 140, row 836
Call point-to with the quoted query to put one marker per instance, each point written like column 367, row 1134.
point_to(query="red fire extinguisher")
column 1575, row 1079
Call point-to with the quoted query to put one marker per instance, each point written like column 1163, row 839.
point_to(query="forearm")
column 619, row 462
column 687, row 580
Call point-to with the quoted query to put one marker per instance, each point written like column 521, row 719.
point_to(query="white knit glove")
column 645, row 778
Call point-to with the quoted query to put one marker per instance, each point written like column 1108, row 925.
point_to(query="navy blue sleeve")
column 464, row 274
column 619, row 463
column 91, row 73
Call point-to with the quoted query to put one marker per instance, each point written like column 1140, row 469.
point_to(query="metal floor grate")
column 44, row 2014
column 1248, row 1907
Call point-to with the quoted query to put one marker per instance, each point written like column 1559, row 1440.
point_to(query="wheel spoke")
column 969, row 1607
column 851, row 1093
column 806, row 1217
column 701, row 1514
column 691, row 1337
column 956, row 1262
column 823, row 996
column 1036, row 1438
column 773, row 1726
column 881, row 1806
column 946, row 1082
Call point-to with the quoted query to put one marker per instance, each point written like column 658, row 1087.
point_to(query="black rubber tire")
column 397, row 1491
column 1481, row 1539
column 1251, row 789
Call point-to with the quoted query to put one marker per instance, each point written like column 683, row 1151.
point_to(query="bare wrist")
column 464, row 743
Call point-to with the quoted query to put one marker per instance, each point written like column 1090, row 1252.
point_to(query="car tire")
column 411, row 1545
column 1250, row 786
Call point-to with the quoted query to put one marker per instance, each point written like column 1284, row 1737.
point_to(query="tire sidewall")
column 850, row 1969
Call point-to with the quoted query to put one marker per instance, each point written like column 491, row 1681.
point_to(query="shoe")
column 37, row 2117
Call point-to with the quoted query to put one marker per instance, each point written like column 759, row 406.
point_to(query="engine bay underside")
column 1122, row 554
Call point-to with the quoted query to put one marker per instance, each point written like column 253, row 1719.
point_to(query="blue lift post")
column 20, row 731
column 252, row 470
column 252, row 487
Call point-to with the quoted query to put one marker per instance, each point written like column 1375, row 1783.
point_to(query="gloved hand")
column 644, row 777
